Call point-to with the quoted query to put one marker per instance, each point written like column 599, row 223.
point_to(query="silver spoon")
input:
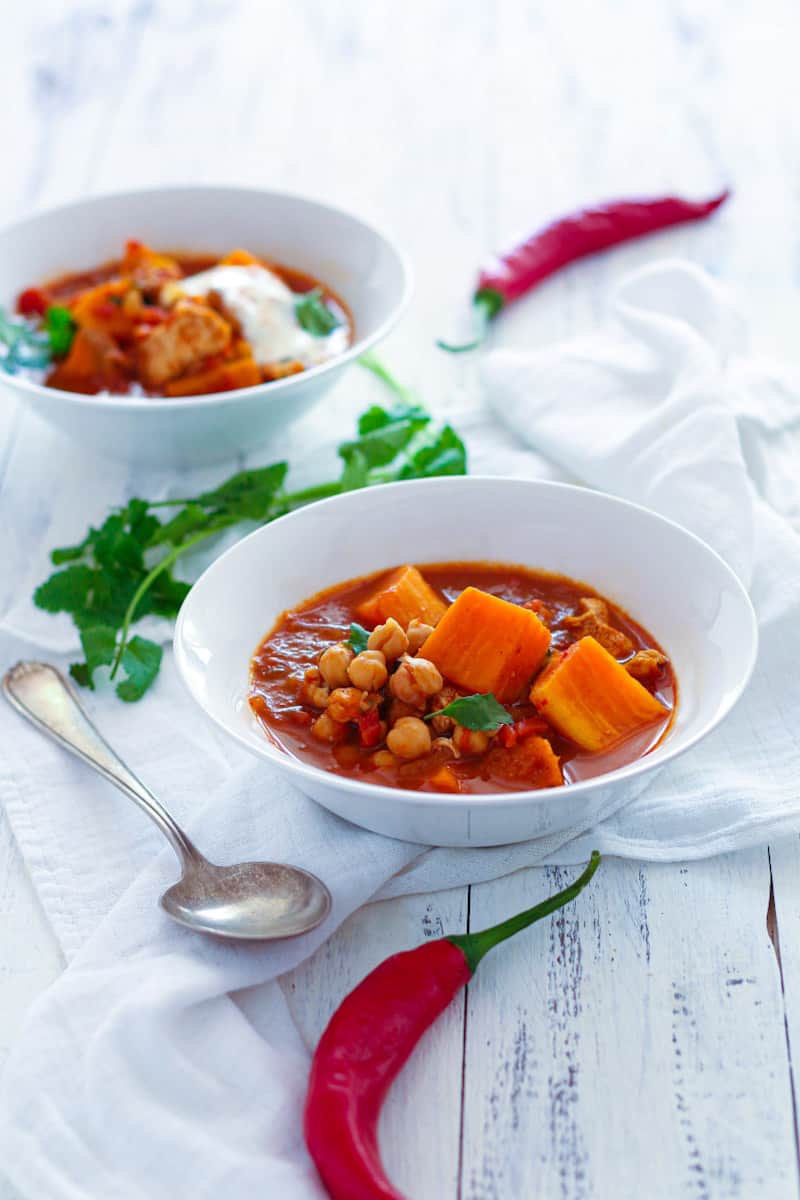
column 256, row 900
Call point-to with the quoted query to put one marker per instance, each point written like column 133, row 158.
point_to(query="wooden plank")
column 783, row 926
column 421, row 1121
column 634, row 1041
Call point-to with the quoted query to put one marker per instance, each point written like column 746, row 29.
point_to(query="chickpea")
column 325, row 729
column 410, row 738
column 414, row 680
column 345, row 704
column 384, row 758
column 417, row 633
column 313, row 691
column 368, row 670
column 470, row 741
column 333, row 664
column 390, row 639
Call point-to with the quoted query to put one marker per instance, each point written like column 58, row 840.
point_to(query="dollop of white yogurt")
column 264, row 307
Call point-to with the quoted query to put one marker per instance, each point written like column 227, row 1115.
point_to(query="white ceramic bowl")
column 357, row 261
column 679, row 588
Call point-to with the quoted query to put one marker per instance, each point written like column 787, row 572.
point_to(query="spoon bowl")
column 252, row 901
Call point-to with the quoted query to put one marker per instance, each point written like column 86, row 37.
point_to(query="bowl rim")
column 272, row 387
column 409, row 797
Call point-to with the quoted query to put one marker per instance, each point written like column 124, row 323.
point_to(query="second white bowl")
column 352, row 257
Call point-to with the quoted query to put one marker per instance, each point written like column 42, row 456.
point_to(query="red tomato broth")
column 66, row 288
column 300, row 634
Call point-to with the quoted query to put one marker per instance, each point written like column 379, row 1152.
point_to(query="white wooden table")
column 641, row 1043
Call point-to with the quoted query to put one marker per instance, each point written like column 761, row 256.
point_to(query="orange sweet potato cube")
column 404, row 594
column 444, row 780
column 485, row 644
column 590, row 698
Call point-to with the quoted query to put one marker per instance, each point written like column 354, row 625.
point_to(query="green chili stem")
column 146, row 583
column 475, row 945
column 486, row 304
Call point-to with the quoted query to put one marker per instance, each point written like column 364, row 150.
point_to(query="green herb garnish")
column 123, row 570
column 23, row 345
column 359, row 636
column 60, row 327
column 314, row 315
column 479, row 712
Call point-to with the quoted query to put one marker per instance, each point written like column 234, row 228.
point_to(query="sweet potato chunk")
column 404, row 594
column 590, row 698
column 444, row 780
column 147, row 268
column 103, row 308
column 94, row 364
column 485, row 644
column 530, row 763
column 223, row 377
column 193, row 332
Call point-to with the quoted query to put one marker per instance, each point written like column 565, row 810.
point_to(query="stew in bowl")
column 463, row 678
column 156, row 323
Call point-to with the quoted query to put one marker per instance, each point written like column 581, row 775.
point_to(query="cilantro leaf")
column 382, row 443
column 248, row 494
column 60, row 327
column 99, row 643
column 314, row 315
column 141, row 660
column 377, row 417
column 359, row 636
column 481, row 711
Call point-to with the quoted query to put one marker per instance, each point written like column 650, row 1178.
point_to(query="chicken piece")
column 595, row 621
column 646, row 665
column 193, row 332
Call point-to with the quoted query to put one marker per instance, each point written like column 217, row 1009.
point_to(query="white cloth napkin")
column 162, row 1064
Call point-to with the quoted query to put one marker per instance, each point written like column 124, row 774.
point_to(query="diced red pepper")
column 105, row 310
column 32, row 303
column 151, row 314
column 509, row 735
column 369, row 728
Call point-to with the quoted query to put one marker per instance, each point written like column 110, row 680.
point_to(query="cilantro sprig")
column 123, row 569
column 479, row 712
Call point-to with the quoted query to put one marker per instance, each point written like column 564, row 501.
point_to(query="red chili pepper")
column 32, row 303
column 372, row 1034
column 369, row 728
column 509, row 276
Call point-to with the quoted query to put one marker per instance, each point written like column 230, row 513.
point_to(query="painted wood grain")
column 632, row 1045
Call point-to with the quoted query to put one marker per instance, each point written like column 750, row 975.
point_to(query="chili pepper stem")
column 486, row 304
column 474, row 945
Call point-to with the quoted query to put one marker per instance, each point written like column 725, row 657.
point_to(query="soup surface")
column 175, row 324
column 562, row 684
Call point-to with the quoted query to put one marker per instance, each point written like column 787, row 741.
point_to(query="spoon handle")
column 41, row 693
